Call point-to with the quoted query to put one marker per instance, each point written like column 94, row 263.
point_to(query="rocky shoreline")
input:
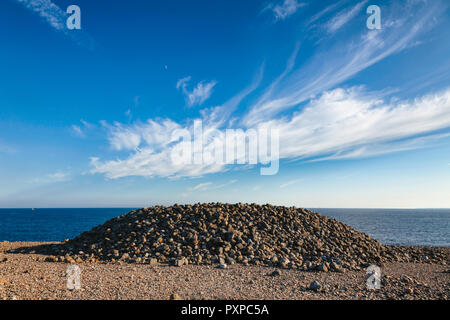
column 225, row 234
column 222, row 251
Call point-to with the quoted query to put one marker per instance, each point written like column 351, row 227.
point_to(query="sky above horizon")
column 363, row 116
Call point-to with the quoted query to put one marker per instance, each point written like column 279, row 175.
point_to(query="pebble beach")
column 222, row 251
column 28, row 276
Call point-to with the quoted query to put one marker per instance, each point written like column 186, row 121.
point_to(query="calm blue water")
column 51, row 224
column 405, row 227
column 398, row 226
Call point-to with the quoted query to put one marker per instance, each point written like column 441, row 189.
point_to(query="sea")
column 422, row 227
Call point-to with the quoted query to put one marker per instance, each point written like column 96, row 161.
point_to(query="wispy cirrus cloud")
column 334, row 65
column 76, row 129
column 290, row 183
column 324, row 12
column 378, row 149
column 341, row 123
column 343, row 17
column 201, row 186
column 207, row 186
column 80, row 130
column 355, row 123
column 55, row 177
column 284, row 8
column 198, row 94
column 56, row 18
column 49, row 11
column 316, row 119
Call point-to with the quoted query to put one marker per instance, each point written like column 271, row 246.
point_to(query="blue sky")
column 86, row 115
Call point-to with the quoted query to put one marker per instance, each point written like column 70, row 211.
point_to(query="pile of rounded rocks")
column 225, row 234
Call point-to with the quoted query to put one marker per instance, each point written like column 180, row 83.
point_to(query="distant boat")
column 32, row 209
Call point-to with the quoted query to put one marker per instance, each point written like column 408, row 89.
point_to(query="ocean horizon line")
column 168, row 205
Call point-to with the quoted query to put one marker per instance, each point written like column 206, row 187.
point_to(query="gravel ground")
column 27, row 276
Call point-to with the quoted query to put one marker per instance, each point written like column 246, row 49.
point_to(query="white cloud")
column 220, row 186
column 218, row 116
column 378, row 149
column 199, row 94
column 324, row 12
column 356, row 124
column 284, row 9
column 343, row 17
column 58, row 176
column 155, row 134
column 122, row 138
column 341, row 123
column 183, row 81
column 333, row 65
column 56, row 18
column 290, row 183
column 80, row 130
column 207, row 186
column 324, row 122
column 146, row 162
column 201, row 186
column 49, row 11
